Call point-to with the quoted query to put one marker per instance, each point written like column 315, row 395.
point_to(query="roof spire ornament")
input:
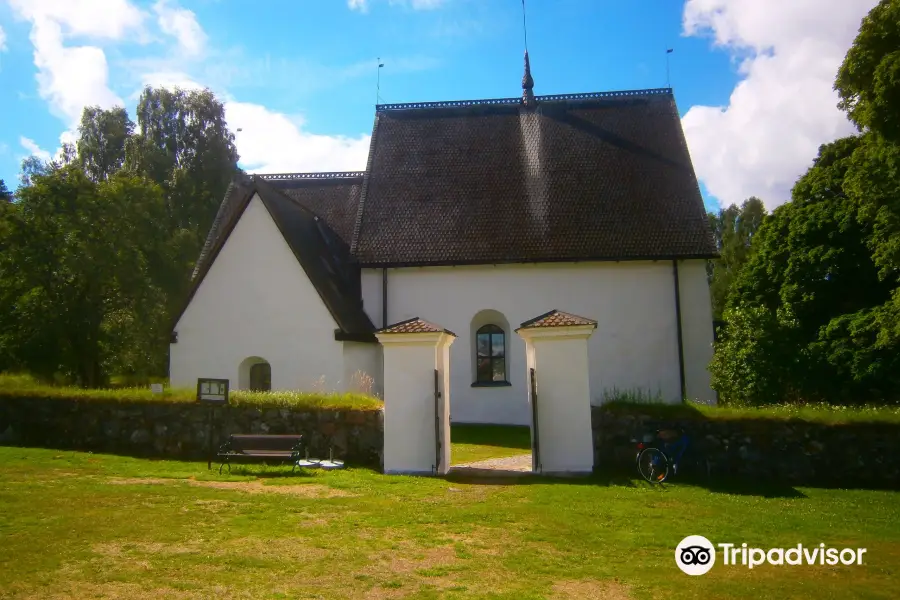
column 528, row 84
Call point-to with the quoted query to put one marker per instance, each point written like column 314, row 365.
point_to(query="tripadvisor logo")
column 696, row 555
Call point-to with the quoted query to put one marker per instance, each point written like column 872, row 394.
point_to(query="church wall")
column 363, row 368
column 634, row 347
column 697, row 330
column 256, row 301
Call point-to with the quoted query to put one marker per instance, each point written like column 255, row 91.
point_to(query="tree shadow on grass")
column 500, row 477
column 727, row 485
column 504, row 436
column 267, row 471
column 734, row 485
column 738, row 487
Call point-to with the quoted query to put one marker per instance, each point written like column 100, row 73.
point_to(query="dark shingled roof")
column 603, row 176
column 583, row 177
column 332, row 196
column 415, row 325
column 557, row 318
column 324, row 256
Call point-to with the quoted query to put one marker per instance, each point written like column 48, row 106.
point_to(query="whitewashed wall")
column 256, row 300
column 697, row 330
column 410, row 411
column 364, row 358
column 559, row 356
column 634, row 347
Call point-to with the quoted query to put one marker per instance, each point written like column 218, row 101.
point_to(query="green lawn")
column 78, row 525
column 471, row 443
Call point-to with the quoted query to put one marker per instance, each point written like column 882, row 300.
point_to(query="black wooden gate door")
column 535, row 438
column 437, row 422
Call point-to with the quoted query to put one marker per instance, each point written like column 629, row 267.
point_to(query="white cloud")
column 69, row 78
column 33, row 149
column 363, row 5
column 784, row 107
column 72, row 77
column 420, row 4
column 360, row 5
column 69, row 136
column 2, row 40
column 104, row 19
column 168, row 79
column 271, row 142
column 181, row 24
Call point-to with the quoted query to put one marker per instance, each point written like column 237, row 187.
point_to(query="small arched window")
column 261, row 377
column 490, row 354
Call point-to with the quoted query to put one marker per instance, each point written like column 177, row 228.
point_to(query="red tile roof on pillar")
column 415, row 325
column 557, row 318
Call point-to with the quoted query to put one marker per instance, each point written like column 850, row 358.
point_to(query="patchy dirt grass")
column 310, row 490
column 129, row 528
column 590, row 589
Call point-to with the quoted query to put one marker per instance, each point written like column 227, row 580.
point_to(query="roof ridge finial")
column 527, row 81
column 528, row 84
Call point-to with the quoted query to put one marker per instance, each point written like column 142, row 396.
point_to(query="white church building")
column 477, row 216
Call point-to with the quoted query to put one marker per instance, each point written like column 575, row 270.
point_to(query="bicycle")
column 663, row 449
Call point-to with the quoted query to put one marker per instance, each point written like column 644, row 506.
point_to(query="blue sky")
column 752, row 78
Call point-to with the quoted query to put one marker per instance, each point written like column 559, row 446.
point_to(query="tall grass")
column 632, row 396
column 642, row 401
column 818, row 413
column 25, row 386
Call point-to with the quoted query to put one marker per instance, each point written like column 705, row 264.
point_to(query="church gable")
column 252, row 275
column 319, row 252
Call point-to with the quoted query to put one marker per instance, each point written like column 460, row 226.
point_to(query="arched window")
column 261, row 377
column 490, row 354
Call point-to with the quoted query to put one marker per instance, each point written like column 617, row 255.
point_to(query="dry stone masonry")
column 180, row 430
column 794, row 452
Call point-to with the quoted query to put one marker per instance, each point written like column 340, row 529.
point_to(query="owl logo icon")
column 695, row 555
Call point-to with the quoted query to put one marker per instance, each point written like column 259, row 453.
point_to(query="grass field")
column 77, row 525
column 471, row 443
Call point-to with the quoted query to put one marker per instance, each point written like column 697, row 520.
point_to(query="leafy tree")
column 869, row 86
column 733, row 230
column 76, row 260
column 98, row 249
column 868, row 81
column 815, row 312
column 101, row 140
column 5, row 194
column 31, row 166
column 185, row 147
column 756, row 356
column 874, row 182
column 806, row 297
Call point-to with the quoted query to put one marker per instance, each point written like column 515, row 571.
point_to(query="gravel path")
column 520, row 463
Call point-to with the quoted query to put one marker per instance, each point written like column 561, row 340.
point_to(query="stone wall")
column 791, row 452
column 180, row 430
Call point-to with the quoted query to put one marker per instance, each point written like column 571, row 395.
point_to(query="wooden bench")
column 260, row 448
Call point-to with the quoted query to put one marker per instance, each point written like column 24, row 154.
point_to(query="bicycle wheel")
column 653, row 465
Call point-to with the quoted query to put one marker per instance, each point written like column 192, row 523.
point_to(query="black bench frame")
column 260, row 448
